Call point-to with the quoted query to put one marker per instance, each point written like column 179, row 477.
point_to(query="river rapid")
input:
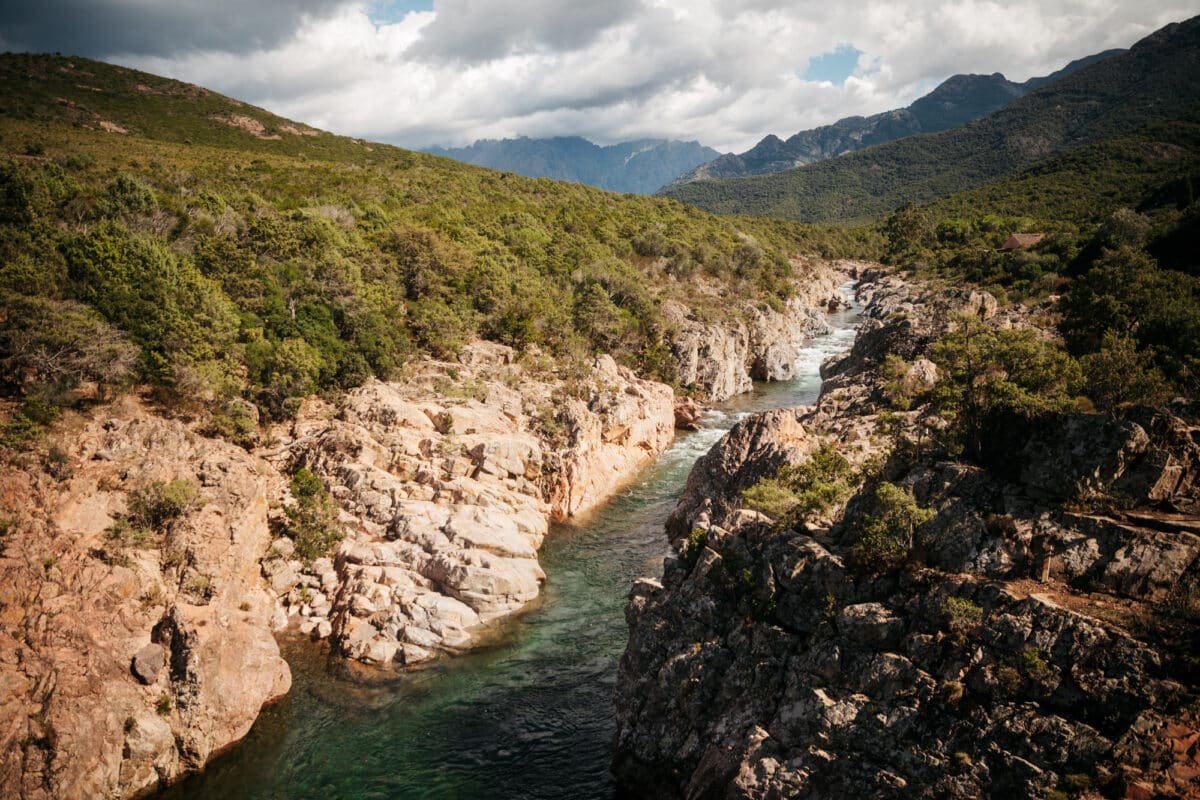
column 528, row 716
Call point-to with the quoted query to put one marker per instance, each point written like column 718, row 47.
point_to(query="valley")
column 334, row 469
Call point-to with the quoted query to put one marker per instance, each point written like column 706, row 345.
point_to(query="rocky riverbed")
column 144, row 569
column 1040, row 640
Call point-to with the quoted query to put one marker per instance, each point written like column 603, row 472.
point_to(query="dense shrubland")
column 214, row 264
column 1120, row 252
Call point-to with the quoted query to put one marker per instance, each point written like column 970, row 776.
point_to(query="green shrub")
column 883, row 533
column 1118, row 375
column 139, row 285
column 28, row 424
column 1033, row 663
column 1008, row 678
column 235, row 423
column 771, row 497
column 982, row 370
column 61, row 344
column 20, row 432
column 797, row 492
column 694, row 545
column 312, row 519
column 157, row 505
column 1134, row 314
column 306, row 487
column 961, row 614
column 127, row 196
column 895, row 387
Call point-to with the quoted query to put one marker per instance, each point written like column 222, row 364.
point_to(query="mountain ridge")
column 640, row 166
column 955, row 101
column 1156, row 80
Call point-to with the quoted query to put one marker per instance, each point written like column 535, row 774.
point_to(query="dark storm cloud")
column 153, row 27
column 469, row 31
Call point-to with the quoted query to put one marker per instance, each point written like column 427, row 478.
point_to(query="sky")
column 447, row 72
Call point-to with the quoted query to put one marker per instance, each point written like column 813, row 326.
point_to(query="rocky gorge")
column 1036, row 639
column 147, row 565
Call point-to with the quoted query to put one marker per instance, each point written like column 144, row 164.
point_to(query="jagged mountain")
column 1155, row 81
column 956, row 101
column 639, row 167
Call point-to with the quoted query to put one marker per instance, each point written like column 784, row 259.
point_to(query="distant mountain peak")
column 1101, row 98
column 641, row 166
column 955, row 101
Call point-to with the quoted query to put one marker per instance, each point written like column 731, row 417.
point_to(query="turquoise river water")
column 529, row 716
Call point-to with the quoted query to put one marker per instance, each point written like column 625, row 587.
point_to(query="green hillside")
column 1157, row 80
column 1121, row 221
column 1152, row 166
column 153, row 231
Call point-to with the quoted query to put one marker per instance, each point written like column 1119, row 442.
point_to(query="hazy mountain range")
column 640, row 167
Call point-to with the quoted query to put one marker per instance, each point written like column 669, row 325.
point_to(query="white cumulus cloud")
column 725, row 72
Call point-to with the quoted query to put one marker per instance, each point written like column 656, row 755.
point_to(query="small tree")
column 982, row 370
column 962, row 616
column 312, row 520
column 157, row 505
column 885, row 531
column 1119, row 375
column 60, row 344
column 796, row 492
column 910, row 235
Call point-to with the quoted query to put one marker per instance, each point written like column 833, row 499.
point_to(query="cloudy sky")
column 725, row 72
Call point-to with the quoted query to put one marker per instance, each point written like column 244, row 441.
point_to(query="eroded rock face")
column 98, row 702
column 720, row 360
column 446, row 499
column 1041, row 640
column 870, row 696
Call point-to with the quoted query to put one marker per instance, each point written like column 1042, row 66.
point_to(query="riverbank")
column 1020, row 622
column 147, row 565
column 528, row 715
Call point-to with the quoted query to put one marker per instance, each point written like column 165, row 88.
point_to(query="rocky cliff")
column 1039, row 639
column 446, row 497
column 145, row 566
column 720, row 360
column 131, row 655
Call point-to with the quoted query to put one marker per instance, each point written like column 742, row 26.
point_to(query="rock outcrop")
column 446, row 499
column 1041, row 637
column 720, row 360
column 130, row 656
column 140, row 588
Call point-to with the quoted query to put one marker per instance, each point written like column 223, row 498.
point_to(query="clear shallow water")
column 529, row 716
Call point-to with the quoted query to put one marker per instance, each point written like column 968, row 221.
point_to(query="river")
column 529, row 716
